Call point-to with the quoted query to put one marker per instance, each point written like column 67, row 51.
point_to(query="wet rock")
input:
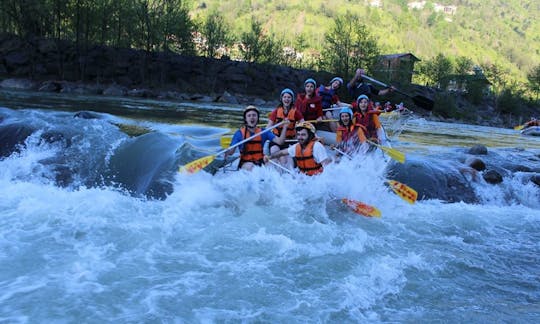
column 476, row 164
column 227, row 98
column 86, row 115
column 492, row 177
column 432, row 181
column 50, row 86
column 115, row 90
column 12, row 137
column 18, row 84
column 478, row 150
column 536, row 179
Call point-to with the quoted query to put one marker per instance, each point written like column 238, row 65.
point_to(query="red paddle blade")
column 361, row 208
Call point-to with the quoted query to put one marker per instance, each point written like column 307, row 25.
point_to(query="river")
column 97, row 226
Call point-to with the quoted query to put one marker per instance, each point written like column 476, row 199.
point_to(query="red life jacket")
column 366, row 120
column 305, row 160
column 253, row 149
column 309, row 107
column 291, row 132
column 347, row 133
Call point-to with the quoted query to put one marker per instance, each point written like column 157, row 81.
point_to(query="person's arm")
column 320, row 155
column 237, row 137
column 276, row 155
column 298, row 116
column 281, row 139
column 272, row 118
column 357, row 77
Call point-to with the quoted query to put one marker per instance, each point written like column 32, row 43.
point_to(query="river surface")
column 97, row 226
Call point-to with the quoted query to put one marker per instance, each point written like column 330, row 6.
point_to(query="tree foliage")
column 436, row 69
column 533, row 77
column 216, row 34
column 348, row 46
column 256, row 46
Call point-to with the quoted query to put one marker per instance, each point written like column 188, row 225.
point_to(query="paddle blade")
column 393, row 153
column 361, row 208
column 519, row 127
column 225, row 141
column 197, row 165
column 402, row 190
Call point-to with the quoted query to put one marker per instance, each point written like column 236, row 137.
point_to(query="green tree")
column 533, row 78
column 463, row 65
column 258, row 47
column 436, row 70
column 496, row 75
column 349, row 45
column 216, row 34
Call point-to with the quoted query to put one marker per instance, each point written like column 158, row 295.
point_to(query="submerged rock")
column 478, row 150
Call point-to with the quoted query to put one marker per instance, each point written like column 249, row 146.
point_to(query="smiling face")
column 363, row 104
column 286, row 99
column 345, row 118
column 310, row 88
column 251, row 118
column 336, row 84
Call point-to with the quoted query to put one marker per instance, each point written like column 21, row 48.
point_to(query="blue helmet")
column 286, row 90
column 360, row 97
column 310, row 80
column 337, row 79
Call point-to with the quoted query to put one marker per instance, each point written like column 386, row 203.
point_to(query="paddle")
column 361, row 208
column 199, row 164
column 520, row 127
column 419, row 100
column 402, row 190
column 225, row 140
column 393, row 153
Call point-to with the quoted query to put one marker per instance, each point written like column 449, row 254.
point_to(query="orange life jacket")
column 344, row 134
column 291, row 132
column 253, row 149
column 305, row 160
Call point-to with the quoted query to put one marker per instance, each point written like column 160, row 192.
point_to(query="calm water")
column 99, row 227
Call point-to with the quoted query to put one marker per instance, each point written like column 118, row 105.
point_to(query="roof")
column 399, row 55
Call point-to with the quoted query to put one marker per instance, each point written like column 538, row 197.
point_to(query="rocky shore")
column 49, row 65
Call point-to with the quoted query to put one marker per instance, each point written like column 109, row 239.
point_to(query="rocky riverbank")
column 49, row 65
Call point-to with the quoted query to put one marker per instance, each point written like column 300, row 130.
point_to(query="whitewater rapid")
column 249, row 247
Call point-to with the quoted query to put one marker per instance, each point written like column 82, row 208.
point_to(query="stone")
column 492, row 177
column 18, row 84
column 476, row 164
column 478, row 150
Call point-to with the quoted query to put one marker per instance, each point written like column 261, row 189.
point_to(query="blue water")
column 98, row 246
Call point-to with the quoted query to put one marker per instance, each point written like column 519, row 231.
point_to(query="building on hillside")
column 465, row 83
column 448, row 10
column 396, row 69
column 416, row 5
column 375, row 3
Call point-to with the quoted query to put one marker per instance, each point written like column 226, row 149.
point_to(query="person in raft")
column 532, row 122
column 358, row 87
column 369, row 119
column 309, row 103
column 310, row 154
column 350, row 136
column 251, row 153
column 329, row 98
column 285, row 110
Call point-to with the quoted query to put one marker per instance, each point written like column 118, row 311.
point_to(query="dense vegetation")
column 500, row 36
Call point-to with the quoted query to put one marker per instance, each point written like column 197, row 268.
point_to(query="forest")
column 501, row 38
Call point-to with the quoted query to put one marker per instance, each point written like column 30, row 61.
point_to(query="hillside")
column 502, row 32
